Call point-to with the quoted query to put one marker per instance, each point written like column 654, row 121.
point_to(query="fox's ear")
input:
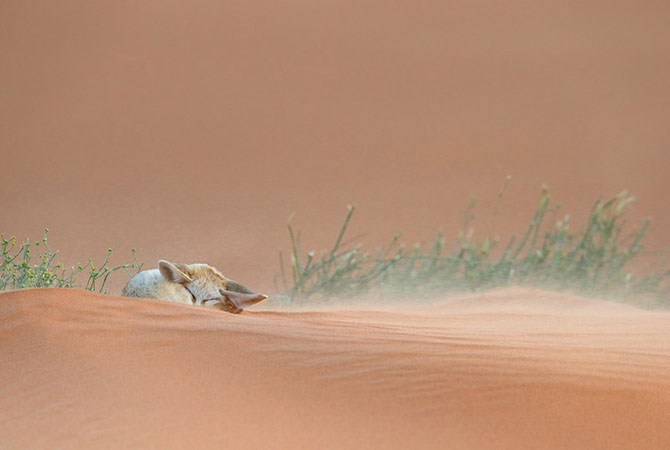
column 177, row 273
column 242, row 300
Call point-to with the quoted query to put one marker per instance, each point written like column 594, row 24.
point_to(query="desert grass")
column 602, row 258
column 34, row 265
column 599, row 259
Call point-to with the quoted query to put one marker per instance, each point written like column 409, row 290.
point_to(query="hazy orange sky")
column 191, row 130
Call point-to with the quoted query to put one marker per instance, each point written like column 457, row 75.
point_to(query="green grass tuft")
column 594, row 260
column 33, row 266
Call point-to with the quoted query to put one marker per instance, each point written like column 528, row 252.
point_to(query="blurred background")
column 192, row 130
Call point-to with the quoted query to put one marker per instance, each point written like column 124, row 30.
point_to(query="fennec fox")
column 193, row 284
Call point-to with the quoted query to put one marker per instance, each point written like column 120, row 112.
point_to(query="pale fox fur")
column 192, row 284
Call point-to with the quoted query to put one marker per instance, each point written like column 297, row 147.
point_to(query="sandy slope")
column 191, row 130
column 513, row 368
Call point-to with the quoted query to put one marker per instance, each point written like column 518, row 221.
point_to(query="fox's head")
column 208, row 287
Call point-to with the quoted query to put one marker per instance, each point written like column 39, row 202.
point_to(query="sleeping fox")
column 193, row 284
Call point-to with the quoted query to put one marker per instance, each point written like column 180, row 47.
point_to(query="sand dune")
column 191, row 130
column 512, row 368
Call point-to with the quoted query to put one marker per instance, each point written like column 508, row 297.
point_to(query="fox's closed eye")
column 192, row 284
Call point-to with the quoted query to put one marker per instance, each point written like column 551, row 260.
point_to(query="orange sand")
column 508, row 369
column 191, row 130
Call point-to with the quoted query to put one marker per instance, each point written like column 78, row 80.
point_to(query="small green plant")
column 594, row 260
column 33, row 265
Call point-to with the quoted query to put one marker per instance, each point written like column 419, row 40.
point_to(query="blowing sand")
column 506, row 369
column 192, row 130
